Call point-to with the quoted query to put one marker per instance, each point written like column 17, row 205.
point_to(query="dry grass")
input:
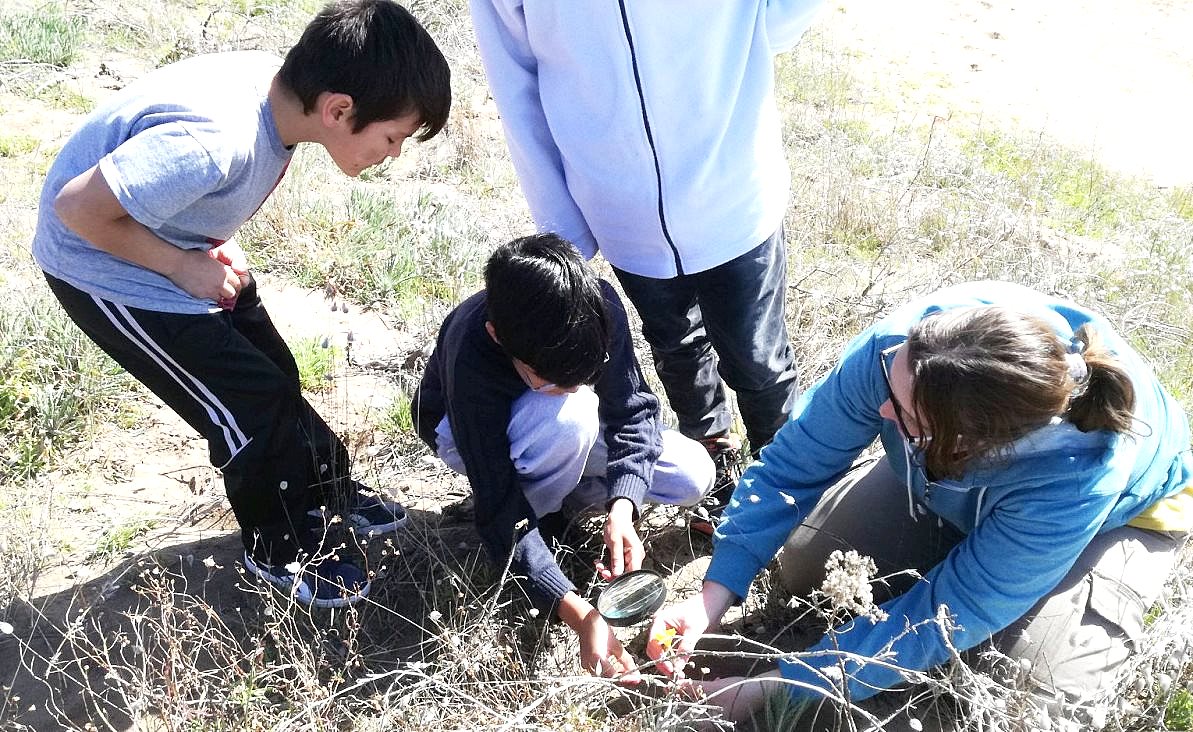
column 881, row 211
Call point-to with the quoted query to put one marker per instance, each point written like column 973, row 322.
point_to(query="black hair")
column 377, row 53
column 547, row 309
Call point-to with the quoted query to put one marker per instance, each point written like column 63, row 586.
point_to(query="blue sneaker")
column 368, row 513
column 325, row 582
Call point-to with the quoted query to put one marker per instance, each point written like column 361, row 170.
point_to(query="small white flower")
column 847, row 583
column 787, row 498
column 6, row 628
column 293, row 567
column 434, row 616
column 209, row 562
column 754, row 498
column 534, row 612
column 915, row 724
column 284, row 485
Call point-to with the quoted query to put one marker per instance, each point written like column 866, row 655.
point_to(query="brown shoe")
column 725, row 450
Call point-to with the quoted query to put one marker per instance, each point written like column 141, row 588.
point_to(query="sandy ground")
column 1109, row 78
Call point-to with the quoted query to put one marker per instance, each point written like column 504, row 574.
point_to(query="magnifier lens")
column 632, row 598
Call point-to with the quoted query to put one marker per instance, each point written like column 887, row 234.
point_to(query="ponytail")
column 1106, row 399
column 983, row 377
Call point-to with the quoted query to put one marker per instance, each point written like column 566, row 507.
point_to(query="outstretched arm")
column 1016, row 555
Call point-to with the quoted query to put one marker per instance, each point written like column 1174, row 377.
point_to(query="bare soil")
column 1113, row 78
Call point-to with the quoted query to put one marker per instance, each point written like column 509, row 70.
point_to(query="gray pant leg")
column 866, row 511
column 1077, row 636
column 682, row 475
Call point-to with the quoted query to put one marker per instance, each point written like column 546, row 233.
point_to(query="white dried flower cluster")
column 847, row 584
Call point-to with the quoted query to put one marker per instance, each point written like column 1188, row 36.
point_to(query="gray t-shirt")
column 191, row 151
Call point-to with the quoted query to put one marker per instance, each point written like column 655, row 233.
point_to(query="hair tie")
column 1078, row 368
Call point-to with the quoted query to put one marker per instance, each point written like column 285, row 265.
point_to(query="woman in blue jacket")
column 1035, row 473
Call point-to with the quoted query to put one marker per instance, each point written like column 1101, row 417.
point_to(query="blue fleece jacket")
column 1026, row 518
column 647, row 130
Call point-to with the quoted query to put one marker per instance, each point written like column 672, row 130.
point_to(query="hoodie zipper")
column 658, row 171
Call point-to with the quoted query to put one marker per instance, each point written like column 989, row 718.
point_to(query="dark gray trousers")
column 1074, row 639
column 724, row 323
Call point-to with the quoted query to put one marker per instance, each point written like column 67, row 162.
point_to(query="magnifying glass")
column 632, row 598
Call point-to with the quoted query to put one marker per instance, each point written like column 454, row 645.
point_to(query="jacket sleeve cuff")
column 733, row 567
column 549, row 587
column 586, row 243
column 628, row 486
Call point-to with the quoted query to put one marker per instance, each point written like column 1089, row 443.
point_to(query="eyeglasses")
column 886, row 376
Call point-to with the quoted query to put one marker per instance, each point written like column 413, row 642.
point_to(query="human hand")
column 737, row 696
column 602, row 654
column 677, row 628
column 203, row 276
column 232, row 256
column 621, row 538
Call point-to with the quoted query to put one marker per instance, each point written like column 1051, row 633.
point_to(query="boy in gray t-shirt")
column 135, row 232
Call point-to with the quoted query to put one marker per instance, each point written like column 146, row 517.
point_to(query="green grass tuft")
column 49, row 37
column 62, row 96
column 16, row 145
column 376, row 248
column 53, row 381
column 316, row 358
column 1179, row 713
column 397, row 420
column 118, row 539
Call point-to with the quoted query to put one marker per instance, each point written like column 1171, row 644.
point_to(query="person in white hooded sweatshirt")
column 648, row 131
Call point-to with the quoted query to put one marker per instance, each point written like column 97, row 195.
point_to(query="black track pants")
column 232, row 378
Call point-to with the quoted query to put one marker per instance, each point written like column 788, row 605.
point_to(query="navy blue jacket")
column 473, row 382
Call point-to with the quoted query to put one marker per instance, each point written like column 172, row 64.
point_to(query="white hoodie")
column 646, row 129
